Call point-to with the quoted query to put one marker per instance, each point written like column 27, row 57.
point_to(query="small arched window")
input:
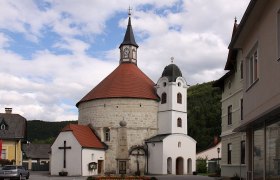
column 106, row 134
column 134, row 54
column 163, row 98
column 179, row 144
column 3, row 127
column 179, row 122
column 179, row 98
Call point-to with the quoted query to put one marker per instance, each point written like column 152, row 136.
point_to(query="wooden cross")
column 64, row 153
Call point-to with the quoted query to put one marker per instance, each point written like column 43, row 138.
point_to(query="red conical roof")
column 126, row 81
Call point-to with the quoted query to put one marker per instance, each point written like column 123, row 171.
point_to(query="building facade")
column 233, row 143
column 12, row 134
column 257, row 41
column 77, row 151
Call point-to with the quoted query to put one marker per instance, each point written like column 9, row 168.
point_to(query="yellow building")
column 12, row 133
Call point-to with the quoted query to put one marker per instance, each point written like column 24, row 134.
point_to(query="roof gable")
column 36, row 150
column 15, row 126
column 85, row 136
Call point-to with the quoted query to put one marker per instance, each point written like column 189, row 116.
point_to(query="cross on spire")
column 172, row 59
column 64, row 147
column 129, row 11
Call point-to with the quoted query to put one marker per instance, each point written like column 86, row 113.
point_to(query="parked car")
column 14, row 172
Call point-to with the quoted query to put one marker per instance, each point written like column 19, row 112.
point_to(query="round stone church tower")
column 122, row 109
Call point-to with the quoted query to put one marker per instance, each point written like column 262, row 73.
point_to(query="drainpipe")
column 15, row 153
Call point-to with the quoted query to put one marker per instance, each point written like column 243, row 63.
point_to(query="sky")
column 53, row 52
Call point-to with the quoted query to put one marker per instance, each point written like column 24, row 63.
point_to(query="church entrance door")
column 179, row 166
column 100, row 167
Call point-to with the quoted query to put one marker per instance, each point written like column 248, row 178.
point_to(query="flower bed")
column 119, row 177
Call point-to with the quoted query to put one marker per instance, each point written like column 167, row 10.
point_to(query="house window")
column 179, row 122
column 241, row 109
column 229, row 153
column 230, row 115
column 163, row 98
column 3, row 127
column 179, row 98
column 107, row 134
column 252, row 67
column 242, row 152
column 4, row 154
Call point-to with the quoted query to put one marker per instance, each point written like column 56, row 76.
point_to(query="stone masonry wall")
column 140, row 116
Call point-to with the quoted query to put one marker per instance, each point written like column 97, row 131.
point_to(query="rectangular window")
column 252, row 67
column 229, row 153
column 242, row 152
column 241, row 70
column 230, row 115
column 241, row 109
column 278, row 33
column 258, row 153
column 4, row 154
column 273, row 151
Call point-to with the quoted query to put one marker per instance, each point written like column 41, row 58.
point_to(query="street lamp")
column 218, row 150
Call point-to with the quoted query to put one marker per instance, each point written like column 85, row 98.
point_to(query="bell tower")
column 172, row 90
column 128, row 48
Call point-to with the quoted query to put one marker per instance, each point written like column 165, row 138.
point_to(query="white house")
column 172, row 151
column 211, row 152
column 77, row 151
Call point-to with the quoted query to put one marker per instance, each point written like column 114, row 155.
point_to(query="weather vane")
column 129, row 11
column 172, row 59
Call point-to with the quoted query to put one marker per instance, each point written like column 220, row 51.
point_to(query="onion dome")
column 171, row 72
column 126, row 81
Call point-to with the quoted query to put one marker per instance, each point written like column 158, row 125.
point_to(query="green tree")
column 204, row 114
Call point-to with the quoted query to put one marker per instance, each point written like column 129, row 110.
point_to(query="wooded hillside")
column 204, row 114
column 44, row 132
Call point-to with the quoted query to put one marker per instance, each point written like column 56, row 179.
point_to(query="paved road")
column 40, row 175
column 45, row 176
column 183, row 177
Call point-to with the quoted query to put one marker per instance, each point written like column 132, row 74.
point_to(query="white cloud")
column 4, row 40
column 47, row 85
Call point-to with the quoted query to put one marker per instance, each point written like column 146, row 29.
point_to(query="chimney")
column 8, row 110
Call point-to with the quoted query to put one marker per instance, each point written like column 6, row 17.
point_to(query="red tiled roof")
column 126, row 81
column 85, row 136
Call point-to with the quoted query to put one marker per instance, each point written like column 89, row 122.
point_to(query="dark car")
column 14, row 172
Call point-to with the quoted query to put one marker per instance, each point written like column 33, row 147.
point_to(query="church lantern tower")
column 172, row 90
column 128, row 48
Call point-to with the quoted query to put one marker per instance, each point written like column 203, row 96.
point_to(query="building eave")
column 267, row 117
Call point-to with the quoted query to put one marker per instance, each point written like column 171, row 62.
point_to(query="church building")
column 142, row 124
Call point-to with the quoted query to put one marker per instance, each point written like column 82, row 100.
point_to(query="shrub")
column 201, row 165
